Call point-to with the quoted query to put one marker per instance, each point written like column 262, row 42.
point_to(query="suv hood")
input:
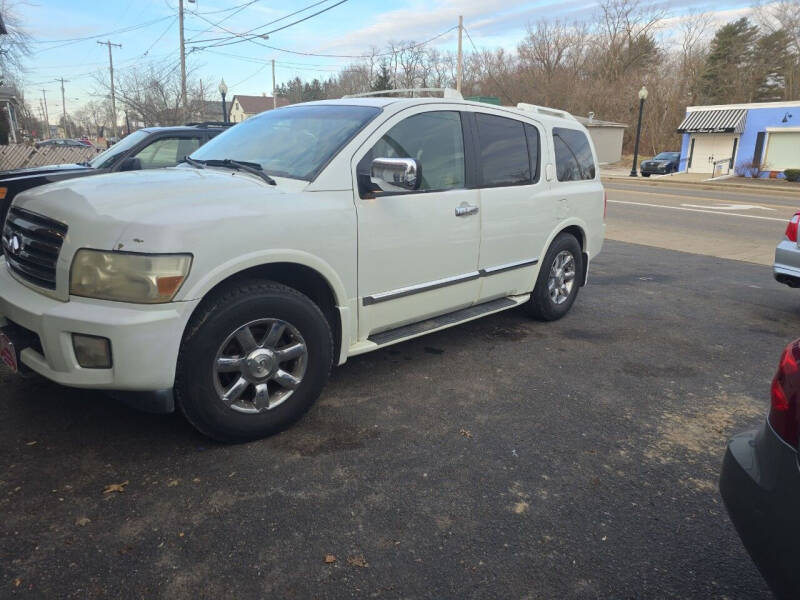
column 148, row 210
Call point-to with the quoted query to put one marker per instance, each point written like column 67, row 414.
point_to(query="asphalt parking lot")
column 503, row 458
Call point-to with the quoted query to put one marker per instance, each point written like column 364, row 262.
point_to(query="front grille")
column 31, row 244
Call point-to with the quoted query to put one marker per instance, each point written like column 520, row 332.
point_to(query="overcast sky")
column 60, row 29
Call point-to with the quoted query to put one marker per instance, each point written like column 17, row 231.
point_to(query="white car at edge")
column 232, row 283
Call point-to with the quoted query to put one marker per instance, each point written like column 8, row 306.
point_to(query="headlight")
column 128, row 277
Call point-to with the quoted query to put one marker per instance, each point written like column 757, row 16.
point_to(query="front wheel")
column 558, row 281
column 254, row 359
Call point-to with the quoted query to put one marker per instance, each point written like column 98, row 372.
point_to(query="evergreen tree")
column 773, row 61
column 729, row 71
column 383, row 81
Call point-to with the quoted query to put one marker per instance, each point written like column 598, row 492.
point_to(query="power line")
column 297, row 12
column 318, row 55
column 69, row 41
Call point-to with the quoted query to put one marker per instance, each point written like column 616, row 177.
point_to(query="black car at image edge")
column 760, row 483
column 148, row 148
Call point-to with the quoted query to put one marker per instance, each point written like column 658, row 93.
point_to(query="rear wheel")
column 558, row 280
column 254, row 359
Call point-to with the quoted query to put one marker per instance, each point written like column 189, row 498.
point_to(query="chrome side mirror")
column 396, row 174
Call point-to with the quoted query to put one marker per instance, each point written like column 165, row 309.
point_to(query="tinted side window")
column 503, row 151
column 574, row 159
column 532, row 135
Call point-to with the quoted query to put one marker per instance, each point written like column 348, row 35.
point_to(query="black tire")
column 645, row 174
column 214, row 321
column 541, row 305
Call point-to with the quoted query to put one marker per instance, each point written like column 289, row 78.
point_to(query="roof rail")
column 449, row 93
column 543, row 110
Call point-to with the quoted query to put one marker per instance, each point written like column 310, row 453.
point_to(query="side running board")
column 415, row 329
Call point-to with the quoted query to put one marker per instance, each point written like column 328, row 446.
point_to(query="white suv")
column 303, row 236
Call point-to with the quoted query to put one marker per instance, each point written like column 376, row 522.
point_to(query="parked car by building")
column 760, row 482
column 148, row 148
column 299, row 238
column 661, row 164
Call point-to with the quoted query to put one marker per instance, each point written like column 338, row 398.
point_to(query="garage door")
column 710, row 147
column 783, row 150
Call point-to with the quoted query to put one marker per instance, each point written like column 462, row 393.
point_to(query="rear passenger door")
column 517, row 208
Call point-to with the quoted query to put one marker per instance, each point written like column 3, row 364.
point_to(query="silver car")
column 787, row 255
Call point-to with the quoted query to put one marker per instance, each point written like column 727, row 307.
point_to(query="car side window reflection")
column 434, row 139
column 166, row 152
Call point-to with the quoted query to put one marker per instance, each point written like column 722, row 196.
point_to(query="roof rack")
column 208, row 124
column 543, row 110
column 449, row 93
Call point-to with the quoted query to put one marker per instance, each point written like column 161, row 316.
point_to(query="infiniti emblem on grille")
column 16, row 244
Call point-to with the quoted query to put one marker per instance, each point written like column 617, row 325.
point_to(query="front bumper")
column 787, row 263
column 145, row 339
column 655, row 170
column 760, row 485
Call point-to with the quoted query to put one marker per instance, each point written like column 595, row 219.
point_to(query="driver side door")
column 418, row 249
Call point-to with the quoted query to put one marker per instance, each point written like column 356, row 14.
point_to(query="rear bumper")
column 787, row 263
column 760, row 486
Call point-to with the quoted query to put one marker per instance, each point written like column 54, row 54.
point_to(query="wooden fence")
column 18, row 156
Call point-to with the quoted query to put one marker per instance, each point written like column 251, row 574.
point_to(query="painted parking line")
column 700, row 210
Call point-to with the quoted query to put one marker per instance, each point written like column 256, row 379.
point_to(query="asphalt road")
column 728, row 223
column 503, row 458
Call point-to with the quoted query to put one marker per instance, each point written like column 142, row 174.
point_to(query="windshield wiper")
column 250, row 167
column 200, row 164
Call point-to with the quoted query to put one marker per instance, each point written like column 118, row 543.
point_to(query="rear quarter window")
column 574, row 160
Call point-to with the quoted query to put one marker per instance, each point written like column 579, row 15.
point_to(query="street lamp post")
column 223, row 89
column 642, row 98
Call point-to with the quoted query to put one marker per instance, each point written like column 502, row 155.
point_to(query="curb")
column 706, row 185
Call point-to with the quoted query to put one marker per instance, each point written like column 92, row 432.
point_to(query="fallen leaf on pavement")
column 33, row 443
column 82, row 521
column 466, row 433
column 172, row 483
column 115, row 487
column 357, row 561
column 17, row 582
column 330, row 559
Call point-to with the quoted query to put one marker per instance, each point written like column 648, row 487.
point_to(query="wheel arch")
column 325, row 291
column 579, row 232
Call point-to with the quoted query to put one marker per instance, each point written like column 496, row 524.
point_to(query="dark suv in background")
column 148, row 148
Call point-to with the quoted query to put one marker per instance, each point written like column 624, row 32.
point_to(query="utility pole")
column 46, row 116
column 183, row 61
column 274, row 99
column 64, row 106
column 202, row 102
column 113, row 98
column 459, row 67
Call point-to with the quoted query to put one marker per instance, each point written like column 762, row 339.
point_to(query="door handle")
column 466, row 210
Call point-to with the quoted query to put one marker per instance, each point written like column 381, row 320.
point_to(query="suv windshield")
column 294, row 141
column 107, row 158
column 666, row 155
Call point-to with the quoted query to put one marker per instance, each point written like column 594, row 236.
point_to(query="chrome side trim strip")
column 420, row 287
column 440, row 283
column 508, row 266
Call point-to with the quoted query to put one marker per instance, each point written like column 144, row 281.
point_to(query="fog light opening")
column 91, row 351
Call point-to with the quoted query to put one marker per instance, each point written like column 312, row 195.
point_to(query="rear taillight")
column 785, row 395
column 791, row 228
column 605, row 207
